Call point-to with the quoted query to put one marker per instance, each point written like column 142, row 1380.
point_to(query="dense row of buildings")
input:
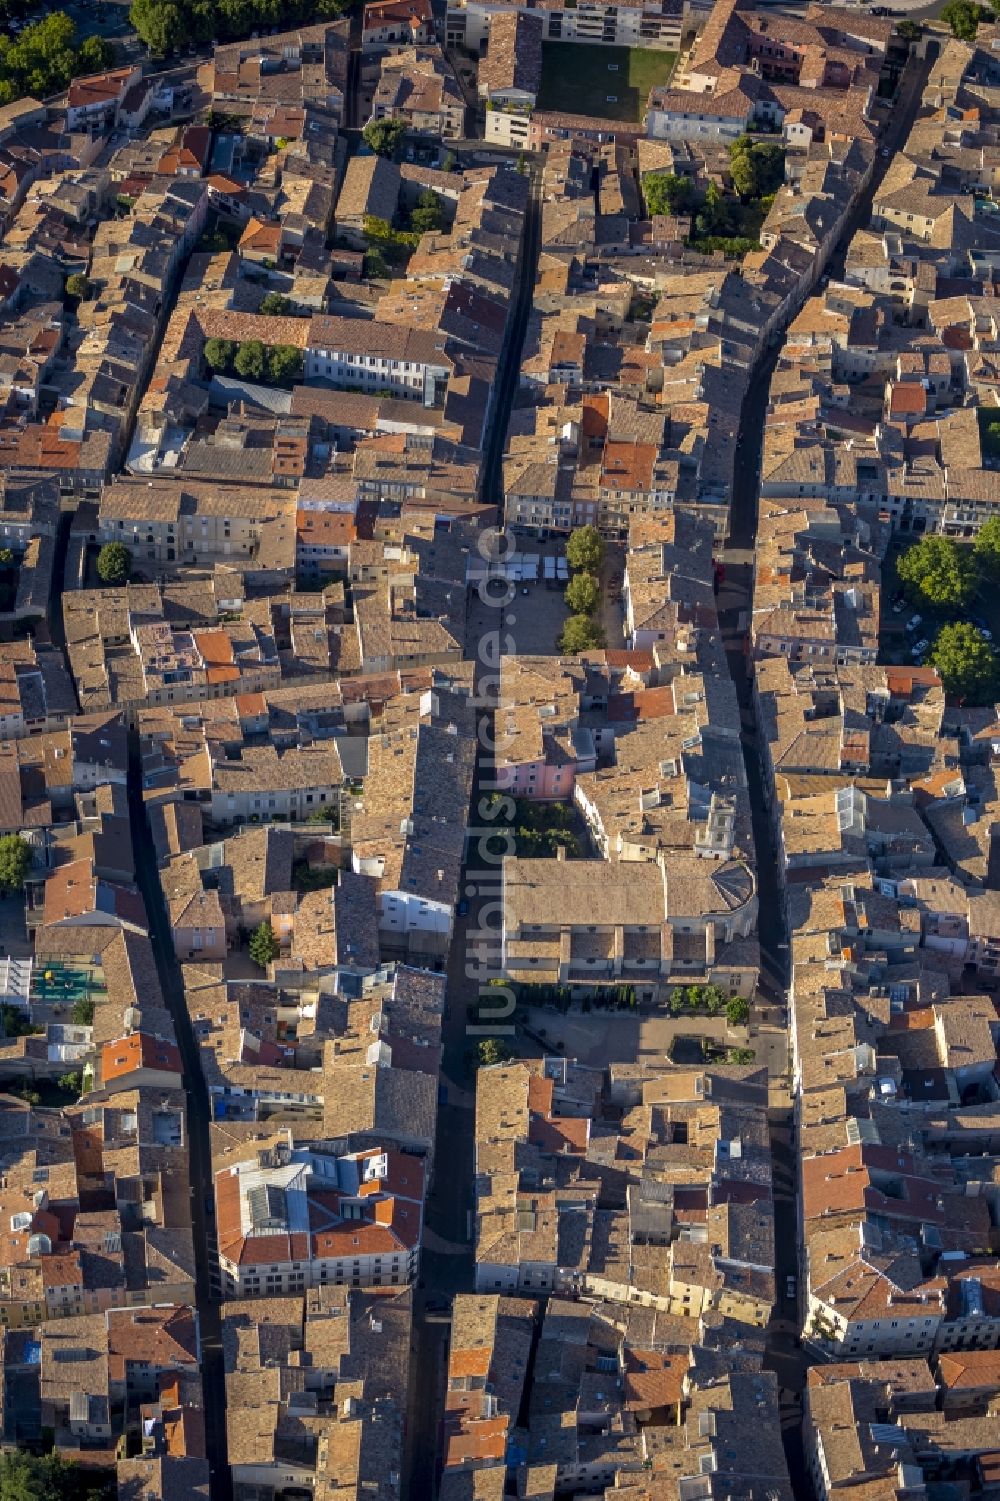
column 241, row 770
column 880, row 794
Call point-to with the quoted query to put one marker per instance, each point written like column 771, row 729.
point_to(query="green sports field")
column 609, row 83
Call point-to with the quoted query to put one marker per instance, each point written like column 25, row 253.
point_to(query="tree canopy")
column 219, row 354
column 757, row 167
column 492, row 1051
column 15, row 858
column 275, row 304
column 667, row 193
column 384, row 136
column 249, row 361
column 164, row 25
column 160, row 24
column 583, row 594
column 77, row 285
column 284, row 364
column 46, row 1477
column 428, row 215
column 963, row 18
column 40, row 61
column 95, row 55
column 585, row 549
column 580, row 633
column 966, row 662
column 114, row 563
column 281, row 364
column 263, row 948
column 986, row 548
column 936, row 572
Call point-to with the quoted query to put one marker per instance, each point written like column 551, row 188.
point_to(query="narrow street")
column 199, row 1147
column 510, row 360
column 447, row 1263
column 735, row 598
column 784, row 1355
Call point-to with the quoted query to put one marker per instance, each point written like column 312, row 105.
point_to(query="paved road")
column 735, row 596
column 783, row 1356
column 447, row 1262
column 510, row 360
column 197, row 1128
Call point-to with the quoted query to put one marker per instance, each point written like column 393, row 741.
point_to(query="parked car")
column 790, row 1286
column 913, row 622
column 920, row 647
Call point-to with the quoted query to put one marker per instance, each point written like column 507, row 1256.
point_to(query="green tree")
column 275, row 305
column 743, row 168
column 963, row 18
column 986, row 548
column 284, row 364
column 249, row 361
column 42, row 60
column 384, row 136
column 428, row 216
column 263, row 948
column 45, row 1477
column 72, row 1083
column 6, row 557
column 966, row 662
column 757, row 167
column 219, row 354
column 14, row 1022
column 114, row 563
column 492, row 1051
column 379, row 230
column 667, row 193
column 160, row 24
column 713, row 216
column 585, row 549
column 769, row 167
column 95, row 55
column 737, row 1011
column 714, row 998
column 909, row 30
column 82, row 1013
column 201, row 20
column 580, row 633
column 376, row 267
column 583, row 594
column 235, row 17
column 77, row 285
column 15, row 860
column 936, row 572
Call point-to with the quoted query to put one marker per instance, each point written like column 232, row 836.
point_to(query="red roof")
column 99, row 88
column 138, row 1051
